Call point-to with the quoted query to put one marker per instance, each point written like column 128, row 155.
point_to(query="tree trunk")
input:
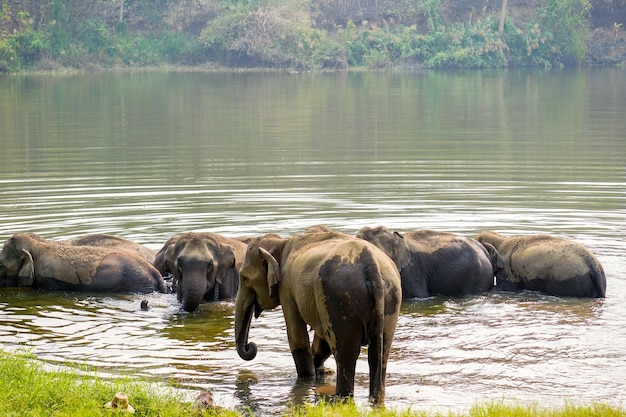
column 502, row 16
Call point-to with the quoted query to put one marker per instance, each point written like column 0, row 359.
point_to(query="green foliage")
column 329, row 54
column 472, row 45
column 21, row 46
column 559, row 31
column 59, row 27
column 280, row 35
column 177, row 47
column 30, row 46
column 94, row 34
column 220, row 35
column 273, row 33
column 8, row 57
column 432, row 9
column 135, row 51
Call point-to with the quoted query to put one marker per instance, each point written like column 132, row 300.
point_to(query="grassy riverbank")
column 29, row 390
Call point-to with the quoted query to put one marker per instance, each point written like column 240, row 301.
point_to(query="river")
column 145, row 155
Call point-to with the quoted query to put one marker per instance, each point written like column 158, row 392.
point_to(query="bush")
column 94, row 35
column 136, row 51
column 9, row 61
column 559, row 31
column 176, row 47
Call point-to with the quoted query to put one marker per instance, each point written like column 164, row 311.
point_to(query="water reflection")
column 145, row 156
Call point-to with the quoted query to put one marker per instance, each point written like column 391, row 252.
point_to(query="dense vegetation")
column 27, row 391
column 295, row 34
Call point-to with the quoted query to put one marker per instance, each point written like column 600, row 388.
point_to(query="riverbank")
column 31, row 390
column 301, row 36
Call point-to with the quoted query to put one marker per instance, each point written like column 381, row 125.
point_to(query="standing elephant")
column 35, row 261
column 205, row 266
column 345, row 288
column 548, row 264
column 114, row 242
column 435, row 263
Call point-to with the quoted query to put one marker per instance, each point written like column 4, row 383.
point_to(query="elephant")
column 345, row 288
column 115, row 242
column 38, row 262
column 205, row 266
column 546, row 263
column 435, row 263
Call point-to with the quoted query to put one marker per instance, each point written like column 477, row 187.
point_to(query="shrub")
column 8, row 57
column 559, row 30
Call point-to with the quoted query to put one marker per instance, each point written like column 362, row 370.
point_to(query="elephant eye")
column 209, row 265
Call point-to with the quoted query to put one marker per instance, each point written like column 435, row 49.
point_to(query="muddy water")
column 147, row 155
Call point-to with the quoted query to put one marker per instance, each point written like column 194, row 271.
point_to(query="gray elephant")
column 435, row 263
column 545, row 263
column 114, row 242
column 345, row 288
column 32, row 260
column 205, row 266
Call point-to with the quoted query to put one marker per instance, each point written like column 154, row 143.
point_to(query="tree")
column 502, row 16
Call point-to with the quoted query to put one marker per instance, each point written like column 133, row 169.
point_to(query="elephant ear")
column 26, row 273
column 165, row 260
column 402, row 254
column 494, row 256
column 227, row 262
column 273, row 270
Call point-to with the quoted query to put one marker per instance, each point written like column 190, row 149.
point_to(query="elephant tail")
column 376, row 289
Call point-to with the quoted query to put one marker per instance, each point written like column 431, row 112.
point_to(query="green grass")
column 494, row 409
column 30, row 390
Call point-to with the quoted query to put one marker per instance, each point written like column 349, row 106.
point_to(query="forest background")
column 53, row 35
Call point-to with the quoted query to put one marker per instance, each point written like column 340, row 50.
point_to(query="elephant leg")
column 321, row 351
column 377, row 381
column 299, row 344
column 377, row 373
column 346, row 355
column 304, row 362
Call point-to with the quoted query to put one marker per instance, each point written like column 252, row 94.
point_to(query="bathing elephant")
column 35, row 261
column 435, row 263
column 549, row 264
column 205, row 266
column 345, row 288
column 114, row 242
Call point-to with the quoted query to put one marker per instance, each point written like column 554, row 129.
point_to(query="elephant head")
column 258, row 278
column 16, row 259
column 199, row 263
column 392, row 243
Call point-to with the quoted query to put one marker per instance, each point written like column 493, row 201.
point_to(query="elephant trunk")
column 243, row 317
column 193, row 285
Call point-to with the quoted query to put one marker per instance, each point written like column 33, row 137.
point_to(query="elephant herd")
column 347, row 289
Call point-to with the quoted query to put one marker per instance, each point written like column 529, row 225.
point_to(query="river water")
column 145, row 155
